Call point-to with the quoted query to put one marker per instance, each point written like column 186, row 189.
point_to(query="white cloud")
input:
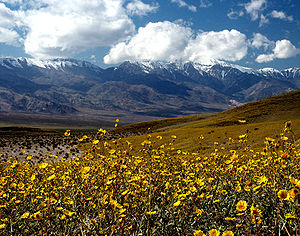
column 170, row 41
column 65, row 28
column 283, row 49
column 223, row 45
column 265, row 58
column 182, row 3
column 255, row 7
column 234, row 15
column 263, row 20
column 136, row 7
column 6, row 16
column 9, row 37
column 8, row 22
column 260, row 40
column 205, row 3
column 155, row 41
column 281, row 15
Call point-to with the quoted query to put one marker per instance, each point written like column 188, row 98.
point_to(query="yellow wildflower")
column 25, row 215
column 290, row 216
column 199, row 233
column 198, row 212
column 85, row 169
column 214, row 232
column 68, row 213
column 241, row 206
column 37, row 215
column 43, row 165
column 255, row 211
column 51, row 177
column 95, row 142
column 228, row 233
column 150, row 213
column 283, row 194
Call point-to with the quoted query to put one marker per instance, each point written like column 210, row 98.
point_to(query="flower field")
column 117, row 188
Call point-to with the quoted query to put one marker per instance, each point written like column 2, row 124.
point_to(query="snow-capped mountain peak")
column 57, row 64
column 218, row 69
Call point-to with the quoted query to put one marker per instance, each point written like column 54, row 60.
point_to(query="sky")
column 251, row 33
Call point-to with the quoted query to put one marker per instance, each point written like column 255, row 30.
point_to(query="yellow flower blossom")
column 198, row 212
column 290, row 216
column 255, row 211
column 95, row 142
column 37, row 215
column 85, row 169
column 51, row 177
column 199, row 233
column 230, row 218
column 241, row 206
column 25, row 215
column 228, row 233
column 283, row 194
column 68, row 213
column 214, row 232
column 43, row 165
column 151, row 213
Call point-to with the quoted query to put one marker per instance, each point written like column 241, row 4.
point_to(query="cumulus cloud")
column 182, row 3
column 260, row 40
column 223, row 45
column 9, row 37
column 6, row 16
column 255, row 7
column 283, row 49
column 170, row 41
column 281, row 15
column 155, row 41
column 65, row 28
column 55, row 28
column 139, row 8
column 8, row 23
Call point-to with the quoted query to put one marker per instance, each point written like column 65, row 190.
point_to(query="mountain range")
column 132, row 91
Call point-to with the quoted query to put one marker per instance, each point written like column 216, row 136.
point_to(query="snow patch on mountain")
column 57, row 64
column 215, row 68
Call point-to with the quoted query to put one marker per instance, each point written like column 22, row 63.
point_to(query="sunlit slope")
column 263, row 118
column 282, row 107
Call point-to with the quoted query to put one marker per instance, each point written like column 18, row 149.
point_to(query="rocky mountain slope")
column 141, row 89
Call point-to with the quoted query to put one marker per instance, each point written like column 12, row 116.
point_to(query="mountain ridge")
column 139, row 90
column 64, row 62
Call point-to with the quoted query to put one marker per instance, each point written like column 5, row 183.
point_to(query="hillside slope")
column 263, row 118
column 281, row 107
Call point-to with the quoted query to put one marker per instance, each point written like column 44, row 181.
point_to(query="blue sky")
column 252, row 33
